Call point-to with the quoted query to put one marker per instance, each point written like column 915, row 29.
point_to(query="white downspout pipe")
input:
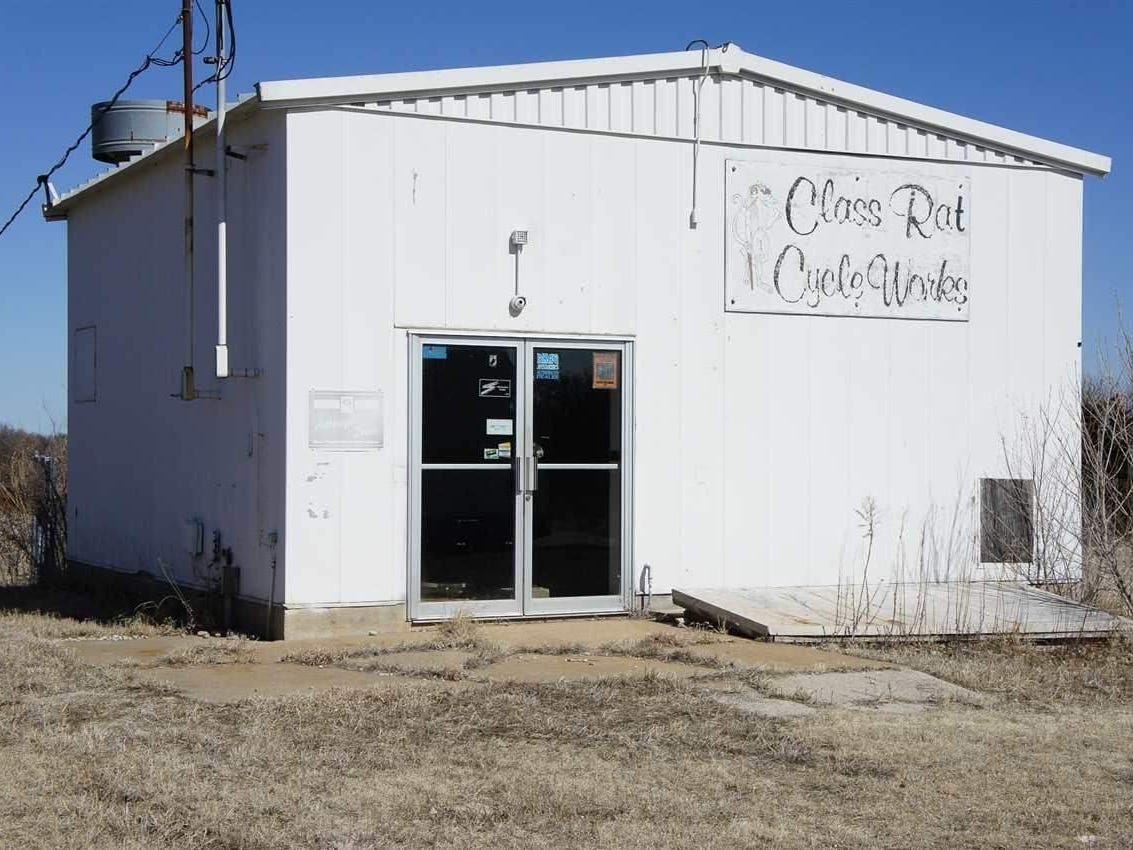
column 221, row 204
column 693, row 218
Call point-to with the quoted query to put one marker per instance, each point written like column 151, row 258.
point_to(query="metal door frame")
column 419, row 610
column 613, row 603
column 522, row 605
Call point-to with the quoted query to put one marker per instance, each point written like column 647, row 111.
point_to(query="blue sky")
column 1061, row 70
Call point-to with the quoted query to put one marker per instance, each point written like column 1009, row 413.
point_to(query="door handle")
column 533, row 477
column 517, row 473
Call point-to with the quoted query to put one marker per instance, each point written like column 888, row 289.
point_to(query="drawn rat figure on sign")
column 751, row 228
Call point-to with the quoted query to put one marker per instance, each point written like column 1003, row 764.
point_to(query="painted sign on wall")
column 860, row 239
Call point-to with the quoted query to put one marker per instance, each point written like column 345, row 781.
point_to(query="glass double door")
column 518, row 477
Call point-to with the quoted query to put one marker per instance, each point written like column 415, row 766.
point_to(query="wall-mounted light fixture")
column 515, row 244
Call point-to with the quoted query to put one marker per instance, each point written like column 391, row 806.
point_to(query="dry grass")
column 49, row 625
column 669, row 647
column 1093, row 672
column 209, row 652
column 94, row 758
column 49, row 612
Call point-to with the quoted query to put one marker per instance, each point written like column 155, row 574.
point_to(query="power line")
column 150, row 59
column 208, row 32
column 225, row 70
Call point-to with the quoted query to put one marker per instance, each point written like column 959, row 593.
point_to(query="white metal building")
column 736, row 329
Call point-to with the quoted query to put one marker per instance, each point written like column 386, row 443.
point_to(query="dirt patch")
column 235, row 682
column 870, row 688
column 528, row 667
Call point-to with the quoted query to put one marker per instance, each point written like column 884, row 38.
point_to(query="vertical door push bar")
column 527, row 469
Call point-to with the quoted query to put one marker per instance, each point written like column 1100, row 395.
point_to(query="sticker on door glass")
column 503, row 451
column 546, row 365
column 491, row 454
column 434, row 352
column 495, row 388
column 500, row 427
column 605, row 370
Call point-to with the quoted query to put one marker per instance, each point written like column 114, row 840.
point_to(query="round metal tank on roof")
column 132, row 127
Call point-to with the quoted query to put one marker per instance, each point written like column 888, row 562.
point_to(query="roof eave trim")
column 503, row 77
column 927, row 117
column 732, row 62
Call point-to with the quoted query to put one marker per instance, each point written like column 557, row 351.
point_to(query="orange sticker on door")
column 605, row 370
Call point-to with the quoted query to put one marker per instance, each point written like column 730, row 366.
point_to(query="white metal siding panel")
column 665, row 107
column 479, row 107
column 315, row 220
column 1026, row 236
column 752, row 105
column 731, row 111
column 141, row 463
column 564, row 289
column 757, row 436
column 814, row 125
column 612, row 223
column 503, row 106
column 343, row 506
column 419, row 194
column 660, row 243
column 527, row 107
column 621, row 107
column 682, row 94
column 794, row 120
column 774, row 110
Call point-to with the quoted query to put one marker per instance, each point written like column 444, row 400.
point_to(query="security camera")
column 516, row 305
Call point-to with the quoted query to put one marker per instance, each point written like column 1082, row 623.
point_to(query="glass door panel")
column 518, row 478
column 576, row 540
column 467, row 535
column 468, row 512
column 575, row 515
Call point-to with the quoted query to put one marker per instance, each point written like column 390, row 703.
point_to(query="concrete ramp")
column 885, row 610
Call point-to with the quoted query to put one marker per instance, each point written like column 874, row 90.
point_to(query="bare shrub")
column 459, row 632
column 935, row 554
column 1078, row 452
column 33, row 497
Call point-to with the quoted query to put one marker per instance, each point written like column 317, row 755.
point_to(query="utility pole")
column 188, row 384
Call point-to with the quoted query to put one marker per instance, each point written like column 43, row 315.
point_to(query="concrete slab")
column 750, row 701
column 889, row 610
column 779, row 657
column 872, row 688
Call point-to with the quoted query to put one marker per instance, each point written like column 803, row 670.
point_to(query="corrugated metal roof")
column 746, row 99
column 724, row 64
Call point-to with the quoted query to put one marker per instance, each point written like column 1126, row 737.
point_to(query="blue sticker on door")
column 546, row 365
column 434, row 352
